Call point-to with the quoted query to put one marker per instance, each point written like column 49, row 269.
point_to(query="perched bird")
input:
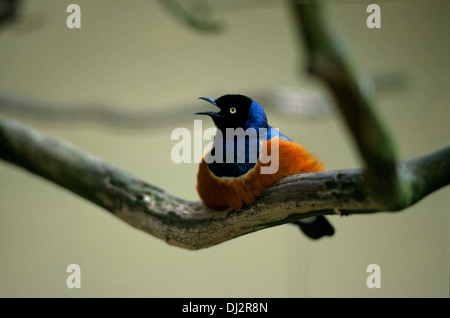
column 248, row 156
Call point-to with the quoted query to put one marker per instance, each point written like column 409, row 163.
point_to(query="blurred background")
column 139, row 58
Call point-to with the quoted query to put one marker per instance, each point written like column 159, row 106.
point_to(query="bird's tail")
column 315, row 227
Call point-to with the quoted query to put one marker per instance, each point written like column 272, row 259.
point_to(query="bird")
column 231, row 174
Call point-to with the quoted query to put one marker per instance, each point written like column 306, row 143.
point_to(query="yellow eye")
column 232, row 110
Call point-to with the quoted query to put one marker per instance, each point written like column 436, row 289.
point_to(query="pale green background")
column 134, row 54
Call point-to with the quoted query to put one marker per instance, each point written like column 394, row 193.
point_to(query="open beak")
column 210, row 113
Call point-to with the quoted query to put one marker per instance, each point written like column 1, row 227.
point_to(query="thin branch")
column 288, row 101
column 195, row 21
column 328, row 61
column 292, row 102
column 189, row 224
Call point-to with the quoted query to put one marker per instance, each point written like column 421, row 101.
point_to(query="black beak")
column 209, row 99
column 209, row 113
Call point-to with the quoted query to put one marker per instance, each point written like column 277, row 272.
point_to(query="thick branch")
column 189, row 224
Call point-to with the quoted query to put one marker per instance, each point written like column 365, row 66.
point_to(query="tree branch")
column 198, row 22
column 288, row 101
column 328, row 61
column 189, row 224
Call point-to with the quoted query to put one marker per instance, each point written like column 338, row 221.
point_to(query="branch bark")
column 189, row 224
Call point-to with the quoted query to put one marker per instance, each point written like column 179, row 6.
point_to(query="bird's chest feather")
column 236, row 152
column 233, row 158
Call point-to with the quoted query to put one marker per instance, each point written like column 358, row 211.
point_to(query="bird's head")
column 236, row 111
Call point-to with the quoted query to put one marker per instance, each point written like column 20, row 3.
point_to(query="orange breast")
column 233, row 192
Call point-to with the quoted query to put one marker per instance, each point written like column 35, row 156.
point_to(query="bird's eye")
column 232, row 110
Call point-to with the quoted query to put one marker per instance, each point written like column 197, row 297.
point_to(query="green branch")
column 200, row 23
column 328, row 61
